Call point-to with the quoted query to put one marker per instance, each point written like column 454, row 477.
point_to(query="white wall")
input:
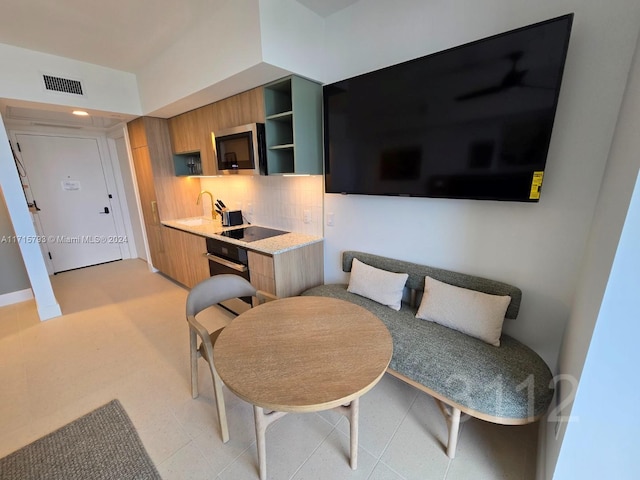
column 602, row 439
column 292, row 37
column 13, row 276
column 23, row 227
column 223, row 43
column 118, row 150
column 613, row 203
column 105, row 89
column 538, row 247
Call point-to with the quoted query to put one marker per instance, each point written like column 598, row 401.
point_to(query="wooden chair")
column 205, row 294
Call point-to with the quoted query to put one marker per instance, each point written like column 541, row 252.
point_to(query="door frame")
column 109, row 168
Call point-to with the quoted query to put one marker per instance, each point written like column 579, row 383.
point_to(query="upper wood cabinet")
column 183, row 130
column 192, row 131
column 293, row 108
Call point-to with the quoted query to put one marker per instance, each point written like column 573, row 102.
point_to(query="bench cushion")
column 498, row 382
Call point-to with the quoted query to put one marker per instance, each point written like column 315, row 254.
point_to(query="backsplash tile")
column 272, row 201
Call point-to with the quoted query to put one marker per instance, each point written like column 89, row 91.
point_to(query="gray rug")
column 101, row 445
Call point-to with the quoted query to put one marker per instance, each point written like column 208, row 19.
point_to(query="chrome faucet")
column 213, row 211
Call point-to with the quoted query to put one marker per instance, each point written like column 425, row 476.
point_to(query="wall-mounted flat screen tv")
column 471, row 122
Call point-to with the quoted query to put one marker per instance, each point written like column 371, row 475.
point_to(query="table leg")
column 351, row 411
column 353, row 425
column 263, row 420
column 261, row 427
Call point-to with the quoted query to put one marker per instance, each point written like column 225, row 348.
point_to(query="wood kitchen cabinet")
column 288, row 273
column 184, row 132
column 163, row 196
column 191, row 132
column 188, row 265
column 186, row 144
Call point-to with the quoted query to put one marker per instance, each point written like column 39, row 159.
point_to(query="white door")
column 67, row 183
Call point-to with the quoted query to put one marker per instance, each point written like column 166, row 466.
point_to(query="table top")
column 303, row 354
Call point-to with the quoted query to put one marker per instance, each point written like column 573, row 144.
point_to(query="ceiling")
column 120, row 34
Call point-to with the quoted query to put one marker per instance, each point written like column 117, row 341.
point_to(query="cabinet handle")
column 154, row 210
column 235, row 266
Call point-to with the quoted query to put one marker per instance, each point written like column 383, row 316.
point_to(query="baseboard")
column 16, row 297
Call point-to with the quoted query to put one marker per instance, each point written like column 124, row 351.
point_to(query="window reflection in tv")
column 473, row 121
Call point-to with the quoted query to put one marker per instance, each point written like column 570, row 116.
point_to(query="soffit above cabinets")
column 60, row 118
column 324, row 8
column 119, row 35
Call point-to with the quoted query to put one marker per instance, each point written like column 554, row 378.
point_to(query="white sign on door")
column 70, row 185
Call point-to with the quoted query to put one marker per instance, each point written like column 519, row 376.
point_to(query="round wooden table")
column 303, row 354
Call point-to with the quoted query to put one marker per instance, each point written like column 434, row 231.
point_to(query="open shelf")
column 293, row 114
column 186, row 164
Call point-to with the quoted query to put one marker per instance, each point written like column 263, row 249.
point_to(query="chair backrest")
column 215, row 290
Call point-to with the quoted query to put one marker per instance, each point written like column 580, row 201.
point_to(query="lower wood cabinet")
column 289, row 273
column 186, row 263
column 284, row 274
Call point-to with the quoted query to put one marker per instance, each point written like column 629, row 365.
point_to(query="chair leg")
column 222, row 411
column 193, row 347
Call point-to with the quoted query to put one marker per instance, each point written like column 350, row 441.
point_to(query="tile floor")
column 123, row 335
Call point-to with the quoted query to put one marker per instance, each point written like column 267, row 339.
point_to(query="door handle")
column 154, row 210
column 105, row 212
column 222, row 261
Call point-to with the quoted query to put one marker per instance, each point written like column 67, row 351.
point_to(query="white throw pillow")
column 475, row 313
column 379, row 285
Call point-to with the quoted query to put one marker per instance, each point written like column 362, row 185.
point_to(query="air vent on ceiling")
column 65, row 85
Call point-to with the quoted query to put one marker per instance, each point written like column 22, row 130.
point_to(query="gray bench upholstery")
column 509, row 384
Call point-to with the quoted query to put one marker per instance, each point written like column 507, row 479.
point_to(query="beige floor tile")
column 188, row 463
column 417, row 448
column 383, row 472
column 487, row 451
column 123, row 335
column 332, row 460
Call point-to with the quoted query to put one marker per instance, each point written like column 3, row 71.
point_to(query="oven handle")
column 222, row 261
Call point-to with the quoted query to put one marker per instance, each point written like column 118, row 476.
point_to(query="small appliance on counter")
column 230, row 218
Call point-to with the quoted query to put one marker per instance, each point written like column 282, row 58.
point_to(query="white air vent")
column 64, row 85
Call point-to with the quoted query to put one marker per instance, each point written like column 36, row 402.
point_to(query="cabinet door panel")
column 184, row 131
column 298, row 269
column 187, row 265
column 137, row 134
column 262, row 273
column 146, row 189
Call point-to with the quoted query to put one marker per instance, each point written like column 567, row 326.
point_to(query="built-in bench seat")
column 509, row 384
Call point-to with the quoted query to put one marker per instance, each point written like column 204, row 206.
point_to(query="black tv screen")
column 472, row 122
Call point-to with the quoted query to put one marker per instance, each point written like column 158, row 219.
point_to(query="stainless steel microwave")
column 241, row 150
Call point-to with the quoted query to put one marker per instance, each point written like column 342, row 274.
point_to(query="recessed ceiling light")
column 80, row 113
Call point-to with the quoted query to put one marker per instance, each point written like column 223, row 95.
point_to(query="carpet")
column 101, row 445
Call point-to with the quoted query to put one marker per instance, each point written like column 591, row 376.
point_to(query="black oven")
column 226, row 257
column 230, row 259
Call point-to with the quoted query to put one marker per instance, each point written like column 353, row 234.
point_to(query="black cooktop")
column 251, row 234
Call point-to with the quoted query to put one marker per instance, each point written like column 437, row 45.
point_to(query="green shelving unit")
column 293, row 110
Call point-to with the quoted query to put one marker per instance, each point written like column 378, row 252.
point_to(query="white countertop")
column 205, row 227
